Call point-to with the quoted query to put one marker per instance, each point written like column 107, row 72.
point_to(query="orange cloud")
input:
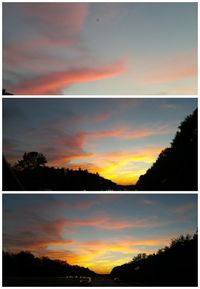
column 122, row 245
column 45, row 237
column 170, row 75
column 49, row 233
column 121, row 167
column 100, row 222
column 107, row 223
column 54, row 82
column 128, row 133
column 116, row 165
column 62, row 254
column 78, row 156
column 186, row 89
column 97, row 255
column 179, row 67
column 102, row 116
column 102, row 256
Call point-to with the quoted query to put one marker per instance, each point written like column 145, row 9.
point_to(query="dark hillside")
column 175, row 265
column 176, row 167
column 25, row 264
column 41, row 177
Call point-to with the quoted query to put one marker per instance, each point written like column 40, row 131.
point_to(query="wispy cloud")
column 58, row 21
column 55, row 82
column 116, row 165
column 148, row 202
column 182, row 209
column 102, row 256
column 127, row 133
column 178, row 67
column 55, row 25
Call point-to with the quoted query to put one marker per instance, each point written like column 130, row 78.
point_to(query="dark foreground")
column 62, row 281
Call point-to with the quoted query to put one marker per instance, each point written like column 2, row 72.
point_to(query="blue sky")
column 100, row 48
column 96, row 231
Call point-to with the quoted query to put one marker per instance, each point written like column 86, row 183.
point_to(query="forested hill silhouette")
column 31, row 174
column 176, row 167
column 175, row 265
column 25, row 264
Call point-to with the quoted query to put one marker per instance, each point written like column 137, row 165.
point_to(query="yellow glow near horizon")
column 103, row 256
column 120, row 169
column 123, row 168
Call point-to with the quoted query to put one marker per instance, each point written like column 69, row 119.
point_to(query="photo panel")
column 100, row 48
column 100, row 239
column 100, row 144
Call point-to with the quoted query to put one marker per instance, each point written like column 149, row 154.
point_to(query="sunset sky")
column 95, row 231
column 100, row 48
column 119, row 138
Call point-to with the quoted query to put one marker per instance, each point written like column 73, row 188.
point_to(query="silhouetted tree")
column 33, row 175
column 31, row 160
column 176, row 167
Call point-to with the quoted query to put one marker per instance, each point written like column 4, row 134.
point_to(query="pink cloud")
column 53, row 227
column 42, row 233
column 168, row 74
column 38, row 235
column 58, row 21
column 56, row 26
column 102, row 116
column 54, row 82
column 71, row 146
column 185, row 208
column 108, row 223
column 124, row 132
column 178, row 67
column 85, row 205
column 101, row 222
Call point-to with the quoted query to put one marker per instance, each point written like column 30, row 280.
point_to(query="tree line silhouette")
column 30, row 173
column 175, row 265
column 176, row 166
column 25, row 264
column 175, row 169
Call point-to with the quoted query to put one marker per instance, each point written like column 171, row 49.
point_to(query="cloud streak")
column 175, row 68
column 58, row 21
column 185, row 208
column 55, row 82
column 43, row 233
